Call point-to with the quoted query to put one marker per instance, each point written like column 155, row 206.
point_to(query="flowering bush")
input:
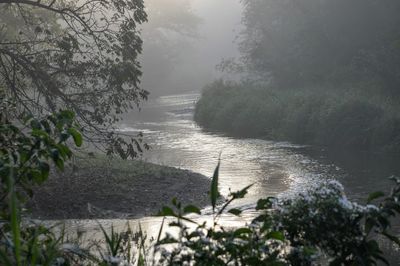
column 318, row 226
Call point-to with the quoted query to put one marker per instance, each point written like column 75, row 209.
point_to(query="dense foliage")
column 318, row 226
column 340, row 118
column 25, row 155
column 313, row 42
column 316, row 72
column 75, row 55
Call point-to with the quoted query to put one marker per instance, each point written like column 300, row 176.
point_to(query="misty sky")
column 221, row 23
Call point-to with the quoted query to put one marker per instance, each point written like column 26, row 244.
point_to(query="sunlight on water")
column 275, row 168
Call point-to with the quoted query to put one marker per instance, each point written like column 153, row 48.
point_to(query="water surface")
column 275, row 168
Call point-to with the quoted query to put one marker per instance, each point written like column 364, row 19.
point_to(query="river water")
column 275, row 168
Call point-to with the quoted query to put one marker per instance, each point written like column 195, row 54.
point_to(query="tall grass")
column 357, row 116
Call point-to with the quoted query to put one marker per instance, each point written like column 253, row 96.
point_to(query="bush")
column 318, row 226
column 331, row 117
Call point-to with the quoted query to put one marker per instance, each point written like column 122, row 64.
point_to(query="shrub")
column 331, row 117
column 320, row 225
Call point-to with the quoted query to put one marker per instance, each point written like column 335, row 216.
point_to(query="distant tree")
column 302, row 42
column 75, row 55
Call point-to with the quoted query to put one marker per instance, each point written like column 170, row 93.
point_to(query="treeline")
column 308, row 42
column 320, row 72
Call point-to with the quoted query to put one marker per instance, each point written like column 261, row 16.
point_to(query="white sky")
column 221, row 25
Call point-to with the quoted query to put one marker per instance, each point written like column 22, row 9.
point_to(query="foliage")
column 28, row 148
column 25, row 156
column 75, row 55
column 320, row 225
column 324, row 219
column 348, row 117
column 312, row 42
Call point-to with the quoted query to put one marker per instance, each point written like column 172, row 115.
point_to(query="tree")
column 310, row 42
column 75, row 55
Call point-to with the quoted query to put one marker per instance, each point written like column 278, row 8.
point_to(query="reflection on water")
column 275, row 168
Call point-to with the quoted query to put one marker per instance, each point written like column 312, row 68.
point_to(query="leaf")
column 263, row 204
column 241, row 193
column 276, row 235
column 375, row 195
column 14, row 217
column 214, row 186
column 240, row 231
column 59, row 163
column 64, row 151
column 235, row 211
column 38, row 133
column 191, row 209
column 37, row 176
column 141, row 260
column 166, row 211
column 45, row 169
column 67, row 114
column 76, row 136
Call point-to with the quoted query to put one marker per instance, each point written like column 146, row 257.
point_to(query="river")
column 275, row 168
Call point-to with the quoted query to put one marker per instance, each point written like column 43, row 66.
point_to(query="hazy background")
column 184, row 40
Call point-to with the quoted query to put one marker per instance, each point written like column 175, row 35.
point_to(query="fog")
column 112, row 111
column 195, row 57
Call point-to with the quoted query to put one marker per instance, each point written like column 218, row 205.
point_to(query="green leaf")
column 45, row 169
column 214, row 186
column 375, row 195
column 14, row 218
column 191, row 209
column 166, row 211
column 67, row 114
column 276, row 235
column 38, row 133
column 240, row 231
column 59, row 163
column 141, row 260
column 37, row 176
column 241, row 193
column 76, row 136
column 235, row 211
column 64, row 151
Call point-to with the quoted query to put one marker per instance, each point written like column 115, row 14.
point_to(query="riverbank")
column 359, row 119
column 99, row 187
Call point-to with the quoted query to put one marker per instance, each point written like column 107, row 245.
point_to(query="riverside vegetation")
column 69, row 69
column 320, row 116
column 321, row 225
column 314, row 72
